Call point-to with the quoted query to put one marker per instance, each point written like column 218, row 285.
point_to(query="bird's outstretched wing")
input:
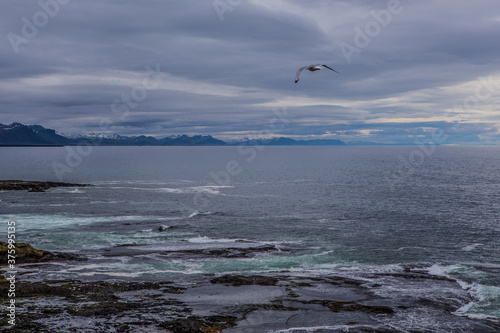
column 329, row 68
column 297, row 76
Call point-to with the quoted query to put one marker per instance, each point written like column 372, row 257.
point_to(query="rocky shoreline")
column 34, row 186
column 27, row 254
column 244, row 303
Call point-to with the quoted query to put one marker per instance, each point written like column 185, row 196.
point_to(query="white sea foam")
column 205, row 239
column 486, row 299
column 67, row 190
column 104, row 202
column 84, row 267
column 170, row 190
column 482, row 265
column 196, row 213
column 410, row 247
column 208, row 189
column 61, row 205
column 445, row 271
column 124, row 268
column 240, row 242
column 485, row 304
column 341, row 328
column 471, row 247
column 366, row 273
column 25, row 222
column 193, row 214
column 458, row 272
column 116, row 274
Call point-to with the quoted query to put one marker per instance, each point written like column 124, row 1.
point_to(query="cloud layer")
column 226, row 67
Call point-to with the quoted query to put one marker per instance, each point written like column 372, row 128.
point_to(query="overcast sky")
column 410, row 71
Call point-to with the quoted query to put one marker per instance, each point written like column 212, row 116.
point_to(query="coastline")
column 264, row 302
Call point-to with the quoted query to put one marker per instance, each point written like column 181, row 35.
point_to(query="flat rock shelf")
column 265, row 302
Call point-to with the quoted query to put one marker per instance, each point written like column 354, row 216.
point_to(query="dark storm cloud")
column 70, row 64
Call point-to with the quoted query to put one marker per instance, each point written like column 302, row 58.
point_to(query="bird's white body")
column 311, row 68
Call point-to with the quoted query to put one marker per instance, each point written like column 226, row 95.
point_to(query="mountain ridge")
column 17, row 134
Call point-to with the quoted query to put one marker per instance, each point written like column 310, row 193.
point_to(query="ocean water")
column 352, row 211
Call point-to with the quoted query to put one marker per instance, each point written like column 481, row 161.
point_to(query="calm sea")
column 347, row 210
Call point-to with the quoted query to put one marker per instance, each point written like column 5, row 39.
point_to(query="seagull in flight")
column 311, row 68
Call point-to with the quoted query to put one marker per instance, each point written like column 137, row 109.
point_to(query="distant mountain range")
column 17, row 134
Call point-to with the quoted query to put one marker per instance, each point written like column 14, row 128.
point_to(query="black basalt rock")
column 34, row 186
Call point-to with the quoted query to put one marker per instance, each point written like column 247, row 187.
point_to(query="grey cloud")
column 255, row 52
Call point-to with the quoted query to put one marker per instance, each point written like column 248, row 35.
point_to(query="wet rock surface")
column 246, row 250
column 230, row 303
column 243, row 303
column 26, row 253
column 195, row 324
column 240, row 280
